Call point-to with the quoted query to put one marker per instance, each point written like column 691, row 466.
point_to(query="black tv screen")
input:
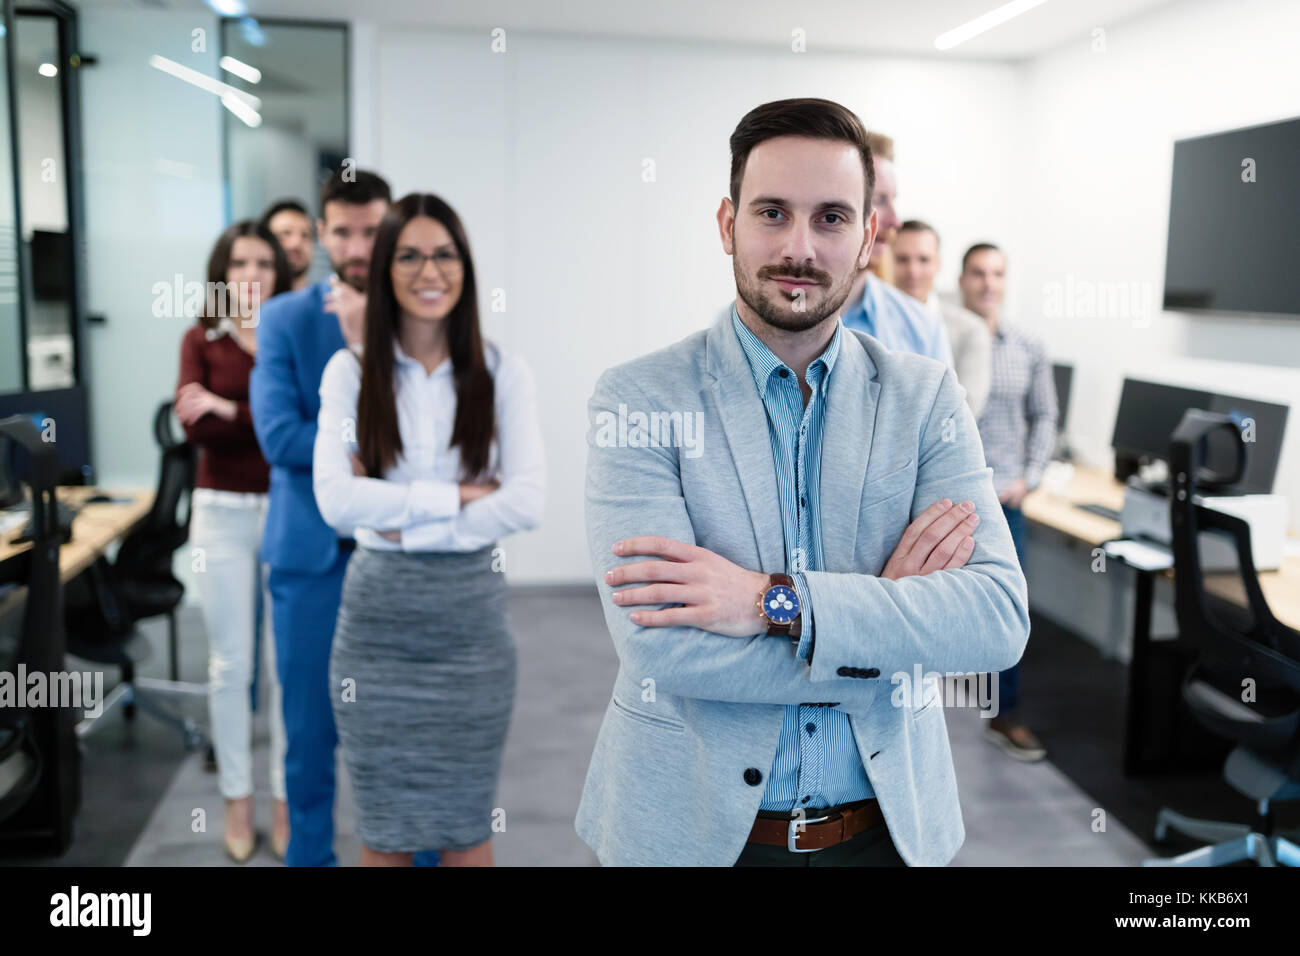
column 1234, row 222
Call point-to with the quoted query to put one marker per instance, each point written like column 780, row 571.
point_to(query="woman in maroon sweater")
column 246, row 267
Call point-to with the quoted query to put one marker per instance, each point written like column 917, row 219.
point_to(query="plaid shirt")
column 1018, row 424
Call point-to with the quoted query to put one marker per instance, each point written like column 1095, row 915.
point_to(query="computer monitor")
column 63, row 413
column 11, row 489
column 1149, row 412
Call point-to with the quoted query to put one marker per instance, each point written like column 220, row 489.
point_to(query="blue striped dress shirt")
column 817, row 762
column 900, row 322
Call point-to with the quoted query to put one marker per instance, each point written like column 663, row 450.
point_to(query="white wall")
column 1093, row 200
column 152, row 155
column 540, row 150
column 1064, row 161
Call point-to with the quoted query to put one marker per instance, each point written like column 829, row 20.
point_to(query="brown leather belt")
column 818, row 829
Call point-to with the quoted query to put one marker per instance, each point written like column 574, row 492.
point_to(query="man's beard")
column 340, row 269
column 780, row 313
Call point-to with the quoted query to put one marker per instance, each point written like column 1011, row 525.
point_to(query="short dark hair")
column 979, row 247
column 808, row 116
column 283, row 205
column 359, row 188
column 917, row 225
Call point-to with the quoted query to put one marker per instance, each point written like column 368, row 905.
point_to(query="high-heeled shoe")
column 241, row 849
column 279, row 845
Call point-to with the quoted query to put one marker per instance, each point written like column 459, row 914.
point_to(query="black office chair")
column 105, row 604
column 1233, row 645
column 39, row 763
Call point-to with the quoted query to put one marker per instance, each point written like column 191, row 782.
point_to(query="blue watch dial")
column 780, row 604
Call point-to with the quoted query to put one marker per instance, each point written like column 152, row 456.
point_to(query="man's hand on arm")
column 350, row 307
column 941, row 538
column 716, row 595
column 1014, row 493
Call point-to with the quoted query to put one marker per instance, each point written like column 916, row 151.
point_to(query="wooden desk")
column 95, row 527
column 1094, row 486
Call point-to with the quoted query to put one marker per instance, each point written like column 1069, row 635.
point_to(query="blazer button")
column 872, row 672
column 753, row 777
column 844, row 671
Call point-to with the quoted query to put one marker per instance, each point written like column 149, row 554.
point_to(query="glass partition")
column 291, row 131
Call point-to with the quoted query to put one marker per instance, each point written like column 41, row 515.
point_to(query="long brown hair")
column 219, row 267
column 378, row 438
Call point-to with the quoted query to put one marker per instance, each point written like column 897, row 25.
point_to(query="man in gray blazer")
column 785, row 518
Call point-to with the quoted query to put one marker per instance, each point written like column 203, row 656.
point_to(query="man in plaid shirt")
column 1018, row 428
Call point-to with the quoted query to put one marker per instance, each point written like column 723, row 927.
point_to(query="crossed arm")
column 971, row 617
column 426, row 514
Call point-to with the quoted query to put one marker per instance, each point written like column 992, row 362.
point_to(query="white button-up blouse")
column 419, row 494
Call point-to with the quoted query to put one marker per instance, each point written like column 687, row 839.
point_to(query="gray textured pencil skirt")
column 426, row 638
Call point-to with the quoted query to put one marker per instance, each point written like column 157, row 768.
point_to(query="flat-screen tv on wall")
column 1234, row 222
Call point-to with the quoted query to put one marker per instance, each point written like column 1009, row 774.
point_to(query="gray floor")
column 1016, row 814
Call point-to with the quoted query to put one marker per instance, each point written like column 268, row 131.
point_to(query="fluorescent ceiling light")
column 203, row 81
column 241, row 69
column 47, row 69
column 984, row 23
column 250, row 116
column 228, row 8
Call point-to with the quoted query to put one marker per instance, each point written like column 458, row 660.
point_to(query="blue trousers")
column 303, row 610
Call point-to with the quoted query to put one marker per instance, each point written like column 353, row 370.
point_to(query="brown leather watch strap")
column 843, row 824
column 794, row 629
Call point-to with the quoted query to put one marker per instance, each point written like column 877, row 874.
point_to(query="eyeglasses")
column 410, row 262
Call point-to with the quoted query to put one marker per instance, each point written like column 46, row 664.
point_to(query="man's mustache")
column 772, row 272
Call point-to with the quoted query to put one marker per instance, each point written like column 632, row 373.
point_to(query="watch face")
column 780, row 604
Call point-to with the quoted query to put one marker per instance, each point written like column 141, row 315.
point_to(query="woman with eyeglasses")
column 429, row 446
column 247, row 267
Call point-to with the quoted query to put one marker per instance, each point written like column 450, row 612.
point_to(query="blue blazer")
column 295, row 338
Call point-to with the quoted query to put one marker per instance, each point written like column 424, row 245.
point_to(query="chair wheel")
column 128, row 711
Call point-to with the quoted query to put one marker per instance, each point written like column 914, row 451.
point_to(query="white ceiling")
column 901, row 27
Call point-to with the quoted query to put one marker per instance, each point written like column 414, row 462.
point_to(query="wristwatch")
column 779, row 606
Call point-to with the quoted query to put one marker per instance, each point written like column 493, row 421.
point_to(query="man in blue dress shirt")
column 877, row 308
column 734, row 737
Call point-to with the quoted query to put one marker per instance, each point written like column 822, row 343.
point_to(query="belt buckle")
column 791, row 836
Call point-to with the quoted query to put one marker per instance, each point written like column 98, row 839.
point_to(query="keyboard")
column 1100, row 510
column 64, row 516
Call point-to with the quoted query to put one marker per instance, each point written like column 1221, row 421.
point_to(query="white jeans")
column 225, row 534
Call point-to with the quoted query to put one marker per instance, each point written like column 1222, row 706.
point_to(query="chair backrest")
column 1231, row 640
column 42, row 628
column 149, row 547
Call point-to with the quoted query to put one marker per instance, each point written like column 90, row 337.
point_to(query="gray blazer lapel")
column 853, row 396
column 744, row 421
